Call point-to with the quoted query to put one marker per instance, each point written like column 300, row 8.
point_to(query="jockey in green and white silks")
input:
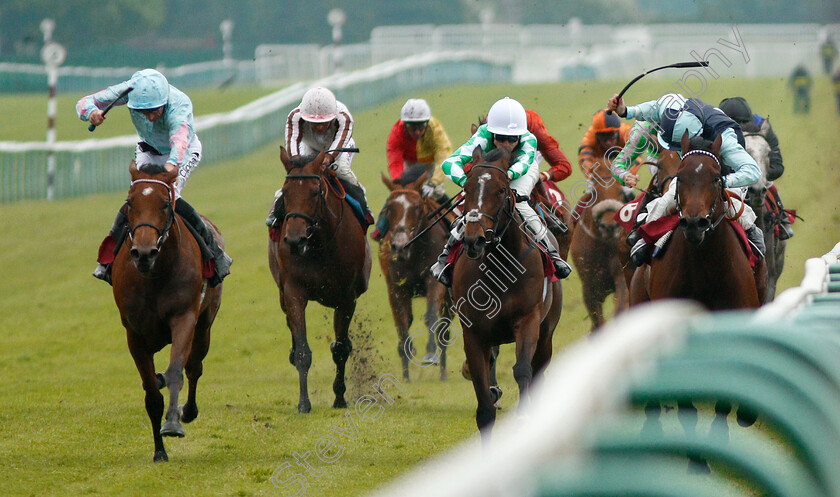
column 507, row 126
column 662, row 123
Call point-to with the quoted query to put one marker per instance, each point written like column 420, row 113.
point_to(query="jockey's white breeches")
column 667, row 203
column 143, row 159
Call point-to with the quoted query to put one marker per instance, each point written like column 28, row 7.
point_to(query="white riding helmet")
column 150, row 90
column 318, row 105
column 415, row 110
column 507, row 117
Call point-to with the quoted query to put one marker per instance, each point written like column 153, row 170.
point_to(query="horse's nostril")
column 153, row 253
column 135, row 254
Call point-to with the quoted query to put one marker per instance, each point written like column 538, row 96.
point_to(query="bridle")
column 475, row 216
column 163, row 233
column 421, row 204
column 311, row 222
column 711, row 223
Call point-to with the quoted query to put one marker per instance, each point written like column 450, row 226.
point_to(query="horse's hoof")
column 188, row 413
column 745, row 417
column 431, row 358
column 340, row 403
column 497, row 396
column 465, row 371
column 160, row 456
column 172, row 429
column 292, row 355
column 304, row 407
column 161, row 381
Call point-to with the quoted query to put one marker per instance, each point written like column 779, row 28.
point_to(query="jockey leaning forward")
column 667, row 119
column 321, row 123
column 416, row 145
column 506, row 127
column 163, row 118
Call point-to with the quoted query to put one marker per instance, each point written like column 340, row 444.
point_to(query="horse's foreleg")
column 526, row 335
column 144, row 361
column 401, row 310
column 300, row 355
column 435, row 348
column 341, row 348
column 478, row 360
column 195, row 365
column 183, row 331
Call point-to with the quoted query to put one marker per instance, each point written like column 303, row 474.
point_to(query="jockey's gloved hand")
column 427, row 190
column 545, row 176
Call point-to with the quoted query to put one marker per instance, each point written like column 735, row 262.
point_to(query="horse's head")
column 304, row 198
column 759, row 150
column 405, row 214
column 487, row 197
column 150, row 209
column 700, row 193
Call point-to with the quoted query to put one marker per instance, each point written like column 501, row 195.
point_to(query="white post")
column 336, row 18
column 226, row 27
column 53, row 55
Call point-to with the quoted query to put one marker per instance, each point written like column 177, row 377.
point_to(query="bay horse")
column 500, row 290
column 759, row 149
column 595, row 246
column 704, row 260
column 322, row 255
column 163, row 298
column 666, row 169
column 406, row 270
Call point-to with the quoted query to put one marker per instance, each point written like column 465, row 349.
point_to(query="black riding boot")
column 223, row 261
column 276, row 213
column 785, row 229
column 756, row 238
column 111, row 243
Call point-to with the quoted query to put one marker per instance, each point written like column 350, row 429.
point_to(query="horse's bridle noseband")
column 474, row 215
column 163, row 233
column 712, row 223
column 311, row 222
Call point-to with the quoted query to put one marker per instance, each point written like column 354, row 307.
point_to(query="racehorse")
column 406, row 269
column 595, row 246
column 705, row 260
column 759, row 149
column 666, row 169
column 502, row 293
column 163, row 298
column 322, row 255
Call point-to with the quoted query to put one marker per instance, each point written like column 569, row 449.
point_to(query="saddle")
column 771, row 203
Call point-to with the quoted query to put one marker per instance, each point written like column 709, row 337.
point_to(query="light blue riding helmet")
column 672, row 119
column 150, row 90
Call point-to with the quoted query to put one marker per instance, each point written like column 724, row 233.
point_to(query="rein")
column 723, row 195
column 163, row 233
column 474, row 216
column 312, row 222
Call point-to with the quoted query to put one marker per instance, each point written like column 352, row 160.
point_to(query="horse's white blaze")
column 147, row 191
column 400, row 199
column 482, row 180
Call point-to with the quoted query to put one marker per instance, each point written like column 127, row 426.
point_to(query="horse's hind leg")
column 341, row 349
column 154, row 400
column 195, row 366
column 183, row 331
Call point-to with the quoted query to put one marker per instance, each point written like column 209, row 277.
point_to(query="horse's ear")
column 285, row 159
column 388, row 182
column 320, row 161
column 685, row 142
column 716, row 145
column 476, row 158
column 473, row 128
column 133, row 171
column 418, row 183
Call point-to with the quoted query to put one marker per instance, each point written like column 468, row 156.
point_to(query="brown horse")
column 704, row 260
column 163, row 298
column 501, row 293
column 406, row 270
column 322, row 255
column 595, row 246
column 666, row 169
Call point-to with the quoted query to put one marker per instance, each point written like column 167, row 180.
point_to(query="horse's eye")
column 502, row 191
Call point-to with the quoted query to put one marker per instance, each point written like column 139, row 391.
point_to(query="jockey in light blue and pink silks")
column 170, row 139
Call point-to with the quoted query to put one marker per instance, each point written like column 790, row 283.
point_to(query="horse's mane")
column 700, row 143
column 410, row 176
column 493, row 155
column 302, row 160
column 153, row 169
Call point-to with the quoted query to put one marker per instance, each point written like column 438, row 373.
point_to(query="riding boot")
column 640, row 254
column 277, row 211
column 110, row 246
column 562, row 269
column 381, row 226
column 223, row 261
column 785, row 229
column 358, row 194
column 756, row 238
column 439, row 268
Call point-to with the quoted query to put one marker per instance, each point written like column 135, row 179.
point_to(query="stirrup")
column 438, row 270
column 103, row 272
column 562, row 269
column 639, row 253
column 785, row 231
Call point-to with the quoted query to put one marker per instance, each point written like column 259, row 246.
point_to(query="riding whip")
column 105, row 111
column 427, row 228
column 678, row 65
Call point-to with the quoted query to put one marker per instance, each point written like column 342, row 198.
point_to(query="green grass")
column 72, row 420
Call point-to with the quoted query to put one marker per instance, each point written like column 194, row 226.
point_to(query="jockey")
column 605, row 137
column 417, row 142
column 739, row 110
column 321, row 123
column 668, row 118
column 163, row 118
column 506, row 127
column 547, row 148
